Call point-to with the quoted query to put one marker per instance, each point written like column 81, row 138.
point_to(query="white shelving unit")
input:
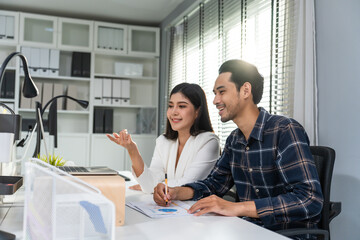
column 108, row 45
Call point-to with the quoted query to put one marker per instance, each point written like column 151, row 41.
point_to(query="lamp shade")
column 29, row 89
column 84, row 104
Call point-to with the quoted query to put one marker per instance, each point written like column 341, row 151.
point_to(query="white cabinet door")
column 110, row 38
column 73, row 147
column 38, row 30
column 75, row 34
column 144, row 41
column 106, row 153
column 9, row 26
column 146, row 145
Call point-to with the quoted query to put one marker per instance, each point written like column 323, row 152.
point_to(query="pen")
column 166, row 188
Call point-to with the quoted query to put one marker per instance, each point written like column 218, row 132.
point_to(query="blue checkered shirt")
column 274, row 168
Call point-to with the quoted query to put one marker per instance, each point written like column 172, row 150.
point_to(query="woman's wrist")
column 132, row 148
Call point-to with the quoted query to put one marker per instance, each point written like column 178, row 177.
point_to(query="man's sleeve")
column 303, row 197
column 218, row 182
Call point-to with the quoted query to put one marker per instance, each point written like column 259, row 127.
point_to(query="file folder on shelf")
column 2, row 26
column 98, row 120
column 106, row 91
column 76, row 64
column 85, row 64
column 35, row 61
column 54, row 62
column 26, row 51
column 44, row 61
column 98, row 91
column 9, row 32
column 8, row 85
column 108, row 120
column 72, row 92
column 59, row 90
column 25, row 103
column 116, row 92
column 47, row 93
column 125, row 92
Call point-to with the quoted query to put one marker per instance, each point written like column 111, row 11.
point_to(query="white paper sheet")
column 152, row 210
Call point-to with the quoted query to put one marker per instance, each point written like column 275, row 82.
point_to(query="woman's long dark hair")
column 197, row 97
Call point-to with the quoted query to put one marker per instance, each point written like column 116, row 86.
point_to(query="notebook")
column 86, row 171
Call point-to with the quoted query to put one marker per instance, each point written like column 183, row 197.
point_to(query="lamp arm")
column 42, row 110
column 59, row 96
column 22, row 158
column 7, row 60
column 5, row 106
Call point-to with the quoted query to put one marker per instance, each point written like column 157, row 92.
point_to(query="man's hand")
column 213, row 204
column 220, row 206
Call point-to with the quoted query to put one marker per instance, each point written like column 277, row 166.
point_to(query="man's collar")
column 258, row 130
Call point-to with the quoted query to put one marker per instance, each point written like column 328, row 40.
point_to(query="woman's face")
column 181, row 113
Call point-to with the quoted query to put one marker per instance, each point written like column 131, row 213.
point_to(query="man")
column 267, row 158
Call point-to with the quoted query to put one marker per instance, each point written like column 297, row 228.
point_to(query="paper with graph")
column 151, row 209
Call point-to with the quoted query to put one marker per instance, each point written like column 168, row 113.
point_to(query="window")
column 261, row 32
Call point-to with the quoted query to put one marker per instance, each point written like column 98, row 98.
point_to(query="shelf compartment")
column 67, row 122
column 105, row 65
column 132, row 120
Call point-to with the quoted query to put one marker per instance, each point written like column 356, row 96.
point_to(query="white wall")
column 338, row 72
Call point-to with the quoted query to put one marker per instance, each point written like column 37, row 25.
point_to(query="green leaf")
column 52, row 160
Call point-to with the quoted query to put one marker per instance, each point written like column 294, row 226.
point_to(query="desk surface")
column 139, row 226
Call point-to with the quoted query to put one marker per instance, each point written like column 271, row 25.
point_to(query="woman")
column 186, row 152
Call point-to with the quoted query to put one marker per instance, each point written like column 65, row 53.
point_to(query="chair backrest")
column 324, row 158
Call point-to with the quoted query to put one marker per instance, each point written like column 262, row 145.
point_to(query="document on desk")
column 152, row 210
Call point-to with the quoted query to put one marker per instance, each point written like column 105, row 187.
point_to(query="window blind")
column 261, row 32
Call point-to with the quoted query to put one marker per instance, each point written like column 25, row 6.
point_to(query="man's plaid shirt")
column 274, row 168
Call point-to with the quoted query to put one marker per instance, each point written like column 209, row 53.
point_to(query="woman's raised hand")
column 123, row 139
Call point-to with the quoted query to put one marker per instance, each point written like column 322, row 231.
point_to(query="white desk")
column 138, row 226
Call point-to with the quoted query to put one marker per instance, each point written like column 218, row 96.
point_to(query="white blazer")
column 197, row 159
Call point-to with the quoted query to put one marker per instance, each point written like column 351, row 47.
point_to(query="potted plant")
column 52, row 160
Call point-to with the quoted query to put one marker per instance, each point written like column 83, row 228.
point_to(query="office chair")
column 324, row 158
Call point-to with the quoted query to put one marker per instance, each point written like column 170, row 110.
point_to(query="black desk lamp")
column 52, row 119
column 10, row 131
column 29, row 89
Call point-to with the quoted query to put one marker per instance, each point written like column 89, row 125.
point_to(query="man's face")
column 227, row 98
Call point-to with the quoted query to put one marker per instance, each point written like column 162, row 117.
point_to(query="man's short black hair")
column 242, row 72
